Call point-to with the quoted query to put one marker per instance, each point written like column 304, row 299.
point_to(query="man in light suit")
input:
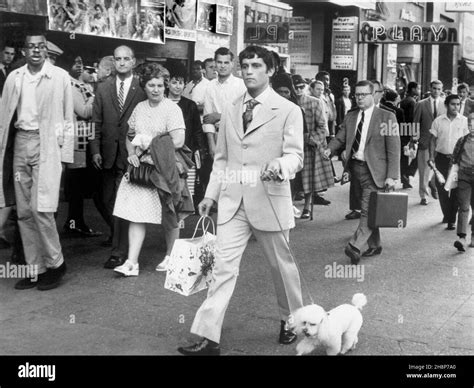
column 371, row 140
column 115, row 100
column 260, row 139
column 426, row 111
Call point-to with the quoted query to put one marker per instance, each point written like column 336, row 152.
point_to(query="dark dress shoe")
column 423, row 202
column 114, row 261
column 353, row 215
column 318, row 200
column 407, row 186
column 25, row 284
column 286, row 336
column 88, row 232
column 433, row 190
column 203, row 348
column 450, row 226
column 372, row 252
column 305, row 214
column 353, row 254
column 52, row 278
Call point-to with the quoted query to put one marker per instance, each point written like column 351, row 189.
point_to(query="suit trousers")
column 38, row 229
column 111, row 182
column 465, row 197
column 232, row 239
column 364, row 235
column 424, row 171
column 355, row 193
column 447, row 200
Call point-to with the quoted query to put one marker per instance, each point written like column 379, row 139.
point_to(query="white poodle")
column 336, row 330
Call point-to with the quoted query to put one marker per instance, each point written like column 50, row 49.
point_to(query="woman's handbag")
column 141, row 175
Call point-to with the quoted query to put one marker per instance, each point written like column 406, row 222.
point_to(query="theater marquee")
column 408, row 33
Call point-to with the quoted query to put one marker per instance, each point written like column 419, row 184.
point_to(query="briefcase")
column 388, row 210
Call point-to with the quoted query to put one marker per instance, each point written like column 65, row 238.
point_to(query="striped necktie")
column 121, row 96
column 356, row 144
column 248, row 114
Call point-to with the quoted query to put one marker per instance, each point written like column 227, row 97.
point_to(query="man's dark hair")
column 208, row 60
column 223, row 51
column 390, row 95
column 200, row 63
column 411, row 86
column 461, row 86
column 450, row 98
column 8, row 43
column 366, row 83
column 251, row 52
column 320, row 76
column 30, row 33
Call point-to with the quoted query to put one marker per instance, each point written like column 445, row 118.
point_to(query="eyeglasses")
column 300, row 87
column 31, row 46
column 362, row 95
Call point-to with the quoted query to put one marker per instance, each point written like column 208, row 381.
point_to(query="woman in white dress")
column 141, row 205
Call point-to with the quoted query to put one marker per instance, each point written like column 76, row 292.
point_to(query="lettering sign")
column 408, row 33
column 460, row 6
column 344, row 43
column 258, row 33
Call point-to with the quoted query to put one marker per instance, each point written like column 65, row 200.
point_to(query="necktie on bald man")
column 121, row 96
column 248, row 114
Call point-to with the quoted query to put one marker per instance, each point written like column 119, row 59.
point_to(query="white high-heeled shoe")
column 163, row 266
column 127, row 269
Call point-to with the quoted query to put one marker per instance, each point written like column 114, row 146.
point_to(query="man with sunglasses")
column 373, row 159
column 36, row 136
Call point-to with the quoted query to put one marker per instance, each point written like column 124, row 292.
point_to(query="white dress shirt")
column 448, row 132
column 28, row 118
column 127, row 82
column 261, row 98
column 218, row 95
column 196, row 91
column 359, row 155
column 347, row 104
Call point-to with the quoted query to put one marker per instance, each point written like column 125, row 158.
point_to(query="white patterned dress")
column 136, row 203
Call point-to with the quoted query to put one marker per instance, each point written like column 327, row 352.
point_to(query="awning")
column 351, row 3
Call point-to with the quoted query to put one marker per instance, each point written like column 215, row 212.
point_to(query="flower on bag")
column 207, row 262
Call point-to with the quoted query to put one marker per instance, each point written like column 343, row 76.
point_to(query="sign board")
column 260, row 33
column 299, row 45
column 409, row 33
column 460, row 6
column 344, row 43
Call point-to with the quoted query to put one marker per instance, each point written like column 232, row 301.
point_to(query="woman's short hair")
column 148, row 71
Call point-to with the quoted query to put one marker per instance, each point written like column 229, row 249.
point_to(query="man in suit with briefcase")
column 370, row 136
column 115, row 100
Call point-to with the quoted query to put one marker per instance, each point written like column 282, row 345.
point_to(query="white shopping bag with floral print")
column 191, row 261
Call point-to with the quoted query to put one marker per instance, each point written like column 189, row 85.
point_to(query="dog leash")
column 265, row 189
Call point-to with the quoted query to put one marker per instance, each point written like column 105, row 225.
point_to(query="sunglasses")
column 300, row 87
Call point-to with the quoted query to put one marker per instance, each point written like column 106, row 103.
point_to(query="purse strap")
column 204, row 227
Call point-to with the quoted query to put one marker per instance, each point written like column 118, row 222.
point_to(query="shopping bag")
column 452, row 180
column 191, row 261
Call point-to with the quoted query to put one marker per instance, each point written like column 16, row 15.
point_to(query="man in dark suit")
column 408, row 106
column 373, row 159
column 115, row 101
column 6, row 58
column 343, row 105
column 467, row 105
column 425, row 112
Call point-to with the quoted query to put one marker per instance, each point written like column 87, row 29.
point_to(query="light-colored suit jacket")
column 382, row 149
column 424, row 116
column 276, row 132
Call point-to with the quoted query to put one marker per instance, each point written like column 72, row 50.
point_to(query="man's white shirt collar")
column 261, row 98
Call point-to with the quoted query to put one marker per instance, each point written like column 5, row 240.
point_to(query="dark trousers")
column 447, row 200
column 111, row 182
column 406, row 169
column 465, row 197
column 364, row 235
column 355, row 193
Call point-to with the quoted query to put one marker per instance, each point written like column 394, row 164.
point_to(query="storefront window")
column 262, row 17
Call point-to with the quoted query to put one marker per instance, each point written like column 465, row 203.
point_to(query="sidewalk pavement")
column 419, row 291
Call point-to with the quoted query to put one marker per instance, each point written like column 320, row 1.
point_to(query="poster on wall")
column 124, row 19
column 225, row 19
column 206, row 17
column 31, row 7
column 181, row 19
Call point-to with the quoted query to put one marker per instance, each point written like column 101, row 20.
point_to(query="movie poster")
column 225, row 18
column 206, row 17
column 31, row 7
column 181, row 19
column 124, row 19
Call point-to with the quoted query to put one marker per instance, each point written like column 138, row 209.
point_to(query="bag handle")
column 204, row 228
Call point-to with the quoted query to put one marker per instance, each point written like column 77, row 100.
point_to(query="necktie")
column 435, row 113
column 356, row 144
column 121, row 96
column 248, row 114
